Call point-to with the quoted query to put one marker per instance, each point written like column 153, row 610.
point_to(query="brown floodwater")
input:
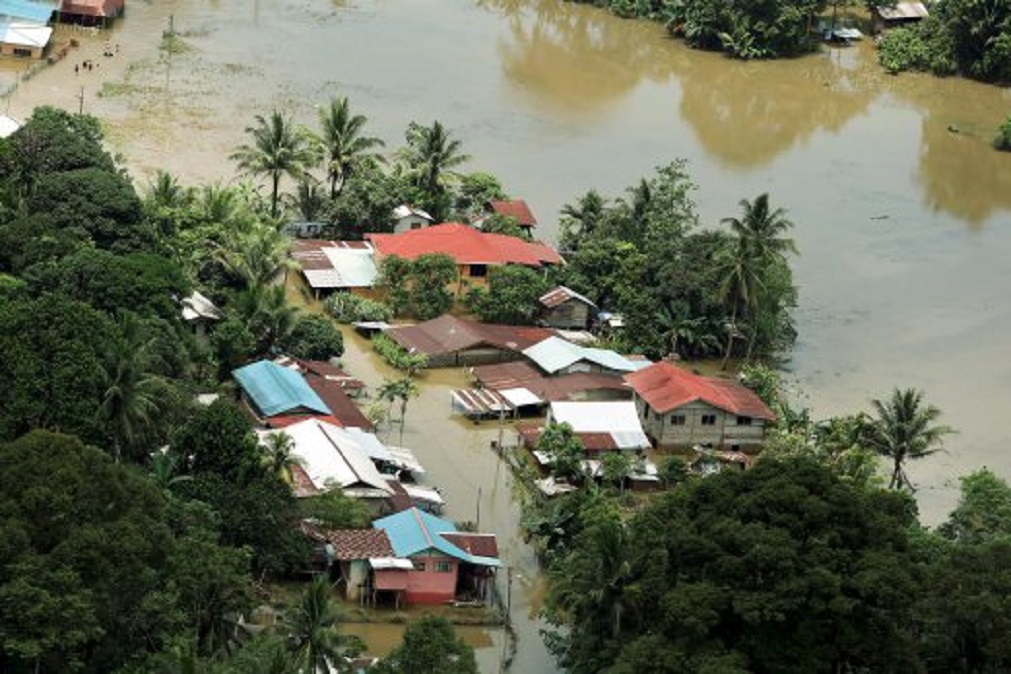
column 902, row 210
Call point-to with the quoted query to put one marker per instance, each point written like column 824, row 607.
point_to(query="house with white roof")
column 406, row 218
column 602, row 426
column 329, row 266
column 555, row 355
column 330, row 457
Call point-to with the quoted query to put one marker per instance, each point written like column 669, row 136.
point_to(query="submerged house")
column 682, row 409
column 91, row 12
column 896, row 14
column 449, row 341
column 555, row 356
column 447, row 564
column 332, row 266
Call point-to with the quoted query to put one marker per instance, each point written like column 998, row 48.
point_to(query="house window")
column 478, row 270
column 743, row 421
column 677, row 420
column 415, row 225
column 418, row 566
column 708, row 419
column 444, row 567
column 22, row 52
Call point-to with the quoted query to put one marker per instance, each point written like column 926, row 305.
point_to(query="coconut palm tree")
column 131, row 393
column 762, row 230
column 406, row 389
column 315, row 640
column 277, row 457
column 308, row 201
column 164, row 472
column 166, row 192
column 278, row 149
column 431, row 154
column 904, row 429
column 343, row 142
column 740, row 287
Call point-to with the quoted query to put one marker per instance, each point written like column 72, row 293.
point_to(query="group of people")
column 89, row 65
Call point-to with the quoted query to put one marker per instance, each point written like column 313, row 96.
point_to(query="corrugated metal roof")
column 404, row 211
column 356, row 267
column 479, row 402
column 523, row 375
column 198, row 306
column 514, row 208
column 413, row 531
column 37, row 13
column 666, row 387
column 561, row 295
column 337, row 400
column 902, row 10
column 276, row 390
column 331, row 457
column 554, row 354
column 23, row 34
column 449, row 334
column 618, row 419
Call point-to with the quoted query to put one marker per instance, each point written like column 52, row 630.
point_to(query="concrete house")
column 565, row 309
column 447, row 564
column 681, row 409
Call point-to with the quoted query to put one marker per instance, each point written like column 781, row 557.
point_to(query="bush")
column 1003, row 139
column 923, row 47
column 348, row 308
column 314, row 337
column 397, row 356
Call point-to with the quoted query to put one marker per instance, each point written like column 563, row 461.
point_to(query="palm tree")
column 343, row 142
column 256, row 257
column 308, row 201
column 164, row 472
column 740, row 287
column 432, row 154
column 407, row 388
column 278, row 149
column 313, row 629
column 904, row 429
column 166, row 192
column 131, row 393
column 278, row 458
column 267, row 314
column 762, row 229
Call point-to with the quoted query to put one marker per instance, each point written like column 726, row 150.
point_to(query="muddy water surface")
column 903, row 212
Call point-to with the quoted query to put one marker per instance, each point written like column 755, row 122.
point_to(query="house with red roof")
column 681, row 409
column 473, row 251
column 517, row 209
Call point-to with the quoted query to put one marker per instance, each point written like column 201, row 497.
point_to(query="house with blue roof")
column 449, row 565
column 271, row 390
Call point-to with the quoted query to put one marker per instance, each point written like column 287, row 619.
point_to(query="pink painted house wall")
column 429, row 585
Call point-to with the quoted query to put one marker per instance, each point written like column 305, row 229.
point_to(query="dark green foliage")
column 430, row 646
column 53, row 141
column 510, row 297
column 475, row 190
column 233, row 345
column 1002, row 141
column 334, row 510
column 781, row 568
column 144, row 283
column 924, row 46
column 428, row 277
column 366, row 203
column 503, row 224
column 566, row 452
column 52, row 355
column 678, row 287
column 218, row 449
column 314, row 337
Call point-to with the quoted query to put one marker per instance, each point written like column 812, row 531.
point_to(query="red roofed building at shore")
column 516, row 209
column 473, row 251
column 681, row 409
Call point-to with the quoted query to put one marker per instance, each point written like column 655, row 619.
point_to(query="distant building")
column 566, row 309
column 681, row 409
column 555, row 355
column 329, row 266
column 270, row 390
column 517, row 209
column 24, row 38
column 406, row 218
column 200, row 313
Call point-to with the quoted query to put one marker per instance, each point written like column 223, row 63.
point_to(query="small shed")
column 898, row 14
column 566, row 309
column 200, row 313
column 406, row 218
column 517, row 209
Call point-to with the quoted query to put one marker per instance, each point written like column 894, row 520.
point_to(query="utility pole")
column 477, row 523
column 80, row 102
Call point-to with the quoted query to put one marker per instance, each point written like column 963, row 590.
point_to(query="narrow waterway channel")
column 903, row 211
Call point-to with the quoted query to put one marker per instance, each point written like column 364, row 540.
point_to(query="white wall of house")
column 700, row 423
column 409, row 222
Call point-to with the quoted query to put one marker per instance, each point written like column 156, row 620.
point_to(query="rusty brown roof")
column 521, row 374
column 344, row 409
column 449, row 334
column 560, row 295
column 514, row 208
column 482, row 545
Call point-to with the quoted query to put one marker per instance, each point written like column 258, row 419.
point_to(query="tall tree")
column 430, row 646
column 341, row 134
column 905, row 429
column 431, row 154
column 278, row 149
column 315, row 640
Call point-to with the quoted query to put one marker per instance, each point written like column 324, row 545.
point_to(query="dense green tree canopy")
column 430, row 646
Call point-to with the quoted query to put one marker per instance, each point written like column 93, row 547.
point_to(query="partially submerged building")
column 449, row 341
column 566, row 309
column 896, row 14
column 331, row 266
column 91, row 12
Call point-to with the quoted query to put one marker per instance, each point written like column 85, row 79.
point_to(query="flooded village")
column 436, row 427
